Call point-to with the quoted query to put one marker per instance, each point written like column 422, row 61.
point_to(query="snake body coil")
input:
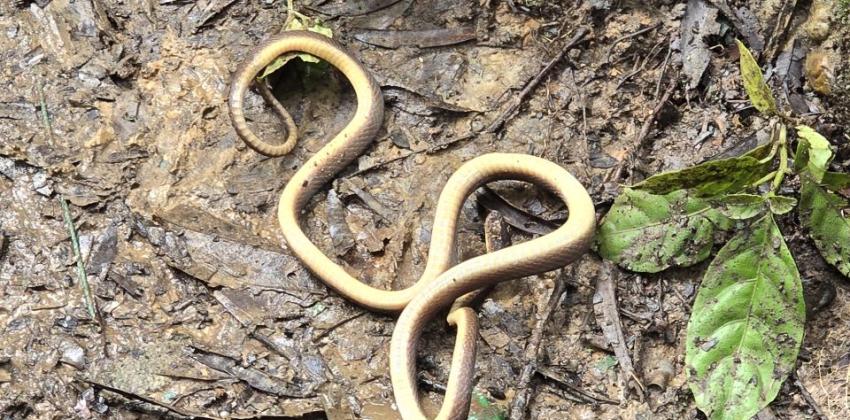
column 441, row 282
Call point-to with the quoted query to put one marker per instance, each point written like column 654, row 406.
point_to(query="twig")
column 508, row 113
column 807, row 396
column 516, row 217
column 498, row 122
column 370, row 201
column 627, row 36
column 608, row 318
column 176, row 410
column 81, row 270
column 766, row 414
column 496, row 237
column 134, row 396
column 532, row 350
column 578, row 393
column 663, row 69
column 337, row 325
column 432, row 149
column 430, row 384
column 262, row 338
column 644, row 132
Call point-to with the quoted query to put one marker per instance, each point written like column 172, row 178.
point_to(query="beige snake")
column 442, row 282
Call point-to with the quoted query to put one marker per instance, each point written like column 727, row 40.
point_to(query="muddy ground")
column 118, row 106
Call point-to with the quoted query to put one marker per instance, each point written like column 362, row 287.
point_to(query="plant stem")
column 772, row 153
column 45, row 117
column 75, row 245
column 764, row 179
column 783, row 159
column 292, row 13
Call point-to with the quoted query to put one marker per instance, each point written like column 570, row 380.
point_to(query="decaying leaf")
column 746, row 324
column 649, row 233
column 757, row 90
column 713, row 177
column 699, row 24
column 297, row 24
column 825, row 214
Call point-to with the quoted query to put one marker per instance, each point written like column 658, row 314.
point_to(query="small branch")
column 499, row 121
column 532, row 350
column 337, row 325
column 783, row 159
column 496, row 237
column 133, row 396
column 627, row 36
column 432, row 149
column 608, row 318
column 81, row 270
column 807, row 396
column 577, row 394
column 644, row 132
column 508, row 113
column 663, row 69
column 267, row 341
column 764, row 179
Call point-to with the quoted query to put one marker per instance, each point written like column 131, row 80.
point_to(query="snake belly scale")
column 442, row 281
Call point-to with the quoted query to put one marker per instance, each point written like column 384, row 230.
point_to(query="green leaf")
column 780, row 204
column 648, row 233
column 813, row 152
column 484, row 409
column 710, row 178
column 746, row 325
column 836, row 181
column 801, row 155
column 297, row 24
column 739, row 206
column 825, row 215
column 758, row 91
column 606, row 363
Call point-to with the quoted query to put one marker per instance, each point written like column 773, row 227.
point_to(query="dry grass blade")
column 81, row 270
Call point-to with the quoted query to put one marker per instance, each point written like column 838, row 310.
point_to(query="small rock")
column 7, row 168
column 600, row 4
column 72, row 354
column 91, row 74
column 42, row 185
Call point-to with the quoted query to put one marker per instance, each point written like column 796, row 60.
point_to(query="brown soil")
column 120, row 107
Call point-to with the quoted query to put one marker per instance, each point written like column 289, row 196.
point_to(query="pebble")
column 41, row 184
column 73, row 354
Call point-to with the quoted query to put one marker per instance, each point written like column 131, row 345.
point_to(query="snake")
column 442, row 282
